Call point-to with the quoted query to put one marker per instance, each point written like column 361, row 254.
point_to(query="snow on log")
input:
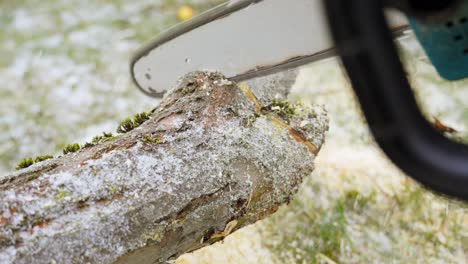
column 209, row 161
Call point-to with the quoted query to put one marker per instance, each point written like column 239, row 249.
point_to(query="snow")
column 64, row 72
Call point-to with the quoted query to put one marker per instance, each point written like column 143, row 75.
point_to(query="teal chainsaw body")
column 446, row 43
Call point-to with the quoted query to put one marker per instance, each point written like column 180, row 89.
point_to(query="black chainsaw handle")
column 425, row 9
column 364, row 42
column 421, row 5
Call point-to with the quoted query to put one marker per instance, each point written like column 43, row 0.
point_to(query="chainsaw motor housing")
column 364, row 43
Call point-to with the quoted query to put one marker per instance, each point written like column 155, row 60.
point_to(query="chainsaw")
column 245, row 39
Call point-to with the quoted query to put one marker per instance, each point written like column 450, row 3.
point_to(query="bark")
column 210, row 160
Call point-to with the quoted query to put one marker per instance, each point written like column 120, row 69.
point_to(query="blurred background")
column 64, row 78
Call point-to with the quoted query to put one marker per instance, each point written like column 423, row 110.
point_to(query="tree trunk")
column 210, row 160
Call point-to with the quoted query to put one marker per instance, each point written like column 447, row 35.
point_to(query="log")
column 209, row 161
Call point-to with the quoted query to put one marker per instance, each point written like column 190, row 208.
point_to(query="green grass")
column 355, row 208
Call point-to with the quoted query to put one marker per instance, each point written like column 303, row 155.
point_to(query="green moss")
column 152, row 111
column 43, row 157
column 37, row 220
column 81, row 203
column 282, row 108
column 125, row 126
column 152, row 140
column 87, row 145
column 24, row 163
column 96, row 139
column 107, row 135
column 60, row 195
column 129, row 124
column 248, row 122
column 23, row 221
column 70, row 148
column 114, row 189
column 140, row 118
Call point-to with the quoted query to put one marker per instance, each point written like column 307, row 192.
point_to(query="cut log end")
column 208, row 162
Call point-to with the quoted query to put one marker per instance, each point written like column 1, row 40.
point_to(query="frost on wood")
column 210, row 160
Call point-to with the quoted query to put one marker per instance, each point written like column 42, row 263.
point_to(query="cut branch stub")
column 210, row 160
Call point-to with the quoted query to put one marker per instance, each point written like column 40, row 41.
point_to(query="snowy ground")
column 64, row 78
